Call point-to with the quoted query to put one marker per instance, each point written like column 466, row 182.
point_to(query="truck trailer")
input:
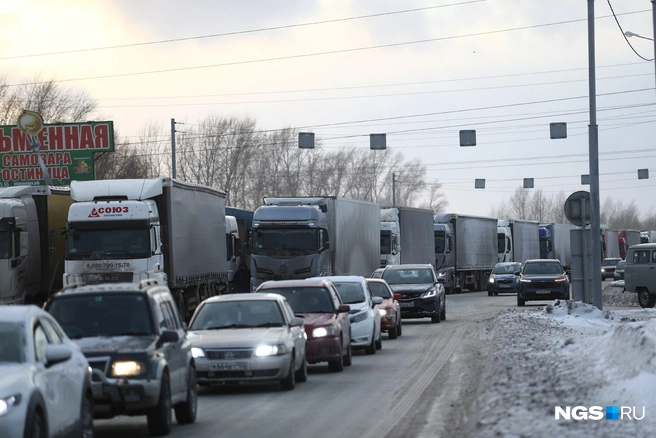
column 134, row 229
column 626, row 239
column 305, row 237
column 518, row 240
column 555, row 243
column 32, row 222
column 466, row 250
column 610, row 246
column 406, row 236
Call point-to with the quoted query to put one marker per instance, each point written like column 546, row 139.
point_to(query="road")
column 419, row 385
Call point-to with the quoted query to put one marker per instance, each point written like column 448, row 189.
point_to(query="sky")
column 583, row 356
column 417, row 70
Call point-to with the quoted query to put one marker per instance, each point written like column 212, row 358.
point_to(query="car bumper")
column 113, row 397
column 323, row 349
column 252, row 370
column 362, row 333
column 533, row 295
column 498, row 288
column 418, row 308
column 388, row 322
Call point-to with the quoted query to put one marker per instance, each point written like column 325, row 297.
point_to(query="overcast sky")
column 419, row 71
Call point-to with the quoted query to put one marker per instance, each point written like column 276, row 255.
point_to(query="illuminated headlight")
column 383, row 312
column 7, row 403
column 270, row 350
column 560, row 280
column 359, row 317
column 428, row 294
column 128, row 368
column 491, row 280
column 603, row 270
column 197, row 352
column 322, row 332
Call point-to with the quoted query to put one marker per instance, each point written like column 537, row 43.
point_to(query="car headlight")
column 359, row 317
column 197, row 352
column 603, row 270
column 429, row 293
column 270, row 350
column 491, row 280
column 7, row 403
column 125, row 368
column 322, row 332
column 560, row 280
column 382, row 312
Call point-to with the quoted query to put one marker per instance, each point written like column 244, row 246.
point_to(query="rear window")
column 109, row 314
column 350, row 292
column 379, row 289
column 305, row 299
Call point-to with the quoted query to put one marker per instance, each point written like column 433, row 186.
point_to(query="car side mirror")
column 376, row 300
column 296, row 322
column 343, row 308
column 441, row 280
column 398, row 296
column 57, row 353
column 518, row 272
column 167, row 337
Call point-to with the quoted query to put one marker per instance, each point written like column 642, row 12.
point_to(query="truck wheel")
column 159, row 417
column 185, row 412
column 646, row 300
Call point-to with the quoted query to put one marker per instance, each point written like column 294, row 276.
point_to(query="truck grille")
column 109, row 277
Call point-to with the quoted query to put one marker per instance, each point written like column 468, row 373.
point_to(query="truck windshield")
column 440, row 242
column 5, row 245
column 285, row 241
column 125, row 243
column 385, row 244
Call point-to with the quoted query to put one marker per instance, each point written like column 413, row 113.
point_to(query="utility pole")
column 393, row 189
column 173, row 148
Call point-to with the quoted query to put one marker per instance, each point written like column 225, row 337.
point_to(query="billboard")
column 66, row 149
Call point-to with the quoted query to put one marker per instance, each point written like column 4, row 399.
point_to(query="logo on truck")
column 108, row 211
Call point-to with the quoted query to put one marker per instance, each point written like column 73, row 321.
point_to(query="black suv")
column 422, row 294
column 136, row 344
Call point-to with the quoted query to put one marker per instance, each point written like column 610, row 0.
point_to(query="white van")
column 640, row 273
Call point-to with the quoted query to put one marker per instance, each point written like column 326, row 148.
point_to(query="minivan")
column 640, row 273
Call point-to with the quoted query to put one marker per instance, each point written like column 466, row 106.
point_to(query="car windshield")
column 621, row 264
column 506, row 269
column 238, row 314
column 306, row 299
column 105, row 314
column 542, row 268
column 350, row 292
column 379, row 289
column 610, row 262
column 408, row 276
column 12, row 343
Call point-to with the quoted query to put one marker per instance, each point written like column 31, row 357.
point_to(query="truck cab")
column 444, row 257
column 390, row 245
column 504, row 238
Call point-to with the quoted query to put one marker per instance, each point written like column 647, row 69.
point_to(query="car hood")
column 410, row 288
column 236, row 337
column 115, row 344
column 503, row 276
column 317, row 319
column 15, row 378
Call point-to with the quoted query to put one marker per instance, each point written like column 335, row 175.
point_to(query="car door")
column 297, row 333
column 50, row 381
column 176, row 357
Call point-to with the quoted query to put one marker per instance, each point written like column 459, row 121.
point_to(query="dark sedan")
column 619, row 271
column 503, row 278
column 542, row 279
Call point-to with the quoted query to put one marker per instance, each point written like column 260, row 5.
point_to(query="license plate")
column 543, row 291
column 228, row 366
column 409, row 304
column 504, row 286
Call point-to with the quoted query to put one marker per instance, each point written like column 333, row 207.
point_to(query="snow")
column 569, row 353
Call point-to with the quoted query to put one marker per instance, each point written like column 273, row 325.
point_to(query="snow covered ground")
column 569, row 354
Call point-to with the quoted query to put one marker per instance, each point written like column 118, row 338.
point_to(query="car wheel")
column 86, row 416
column 646, row 300
column 159, row 417
column 379, row 341
column 289, row 382
column 302, row 373
column 496, row 294
column 489, row 293
column 393, row 334
column 337, row 365
column 371, row 348
column 399, row 329
column 185, row 412
column 443, row 311
column 347, row 359
column 520, row 301
column 35, row 425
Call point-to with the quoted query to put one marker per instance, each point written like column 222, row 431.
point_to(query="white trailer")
column 406, row 236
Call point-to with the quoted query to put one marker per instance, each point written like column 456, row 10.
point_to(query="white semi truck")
column 135, row 229
column 406, row 236
column 518, row 240
column 304, row 237
column 32, row 222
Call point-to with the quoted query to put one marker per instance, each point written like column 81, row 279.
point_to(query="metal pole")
column 173, row 148
column 393, row 189
column 594, row 164
column 653, row 15
column 584, row 241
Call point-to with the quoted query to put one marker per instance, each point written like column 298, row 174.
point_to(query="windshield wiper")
column 270, row 324
column 219, row 327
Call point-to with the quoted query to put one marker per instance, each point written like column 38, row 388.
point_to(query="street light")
column 630, row 34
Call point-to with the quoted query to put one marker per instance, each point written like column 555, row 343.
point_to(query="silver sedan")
column 250, row 338
column 45, row 388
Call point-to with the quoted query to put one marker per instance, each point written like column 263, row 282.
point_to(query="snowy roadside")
column 569, row 354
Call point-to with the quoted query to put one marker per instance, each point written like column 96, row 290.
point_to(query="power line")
column 240, row 32
column 306, row 55
column 624, row 35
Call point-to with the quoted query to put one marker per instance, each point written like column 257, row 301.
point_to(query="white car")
column 45, row 380
column 248, row 337
column 364, row 315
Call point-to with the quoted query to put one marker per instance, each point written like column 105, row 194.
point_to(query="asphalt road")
column 420, row 384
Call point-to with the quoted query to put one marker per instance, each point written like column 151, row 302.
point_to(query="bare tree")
column 436, row 199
